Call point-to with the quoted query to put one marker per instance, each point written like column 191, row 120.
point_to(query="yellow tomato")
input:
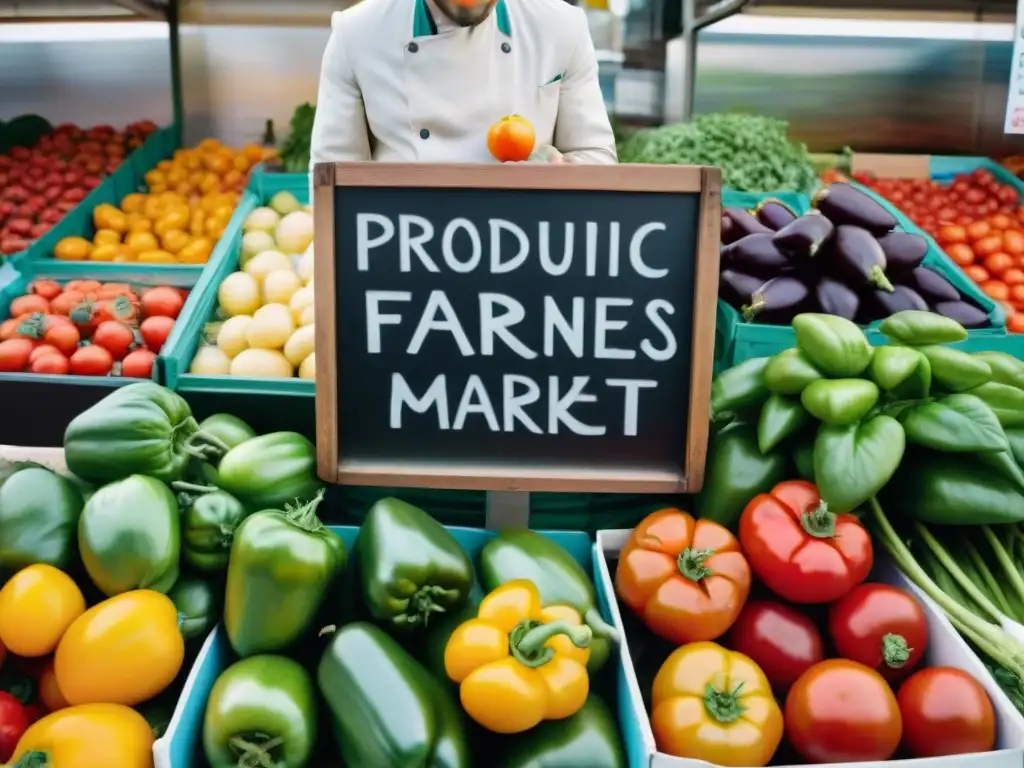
column 117, row 221
column 123, row 253
column 137, row 222
column 174, row 240
column 37, row 606
column 101, row 215
column 153, row 207
column 155, row 178
column 72, row 249
column 106, row 237
column 142, row 241
column 49, row 692
column 104, row 252
column 133, row 203
column 172, row 218
column 215, row 227
column 124, row 650
column 90, row 736
column 196, row 252
column 156, row 256
column 155, row 188
column 197, row 224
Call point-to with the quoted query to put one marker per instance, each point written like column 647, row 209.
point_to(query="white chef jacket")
column 401, row 83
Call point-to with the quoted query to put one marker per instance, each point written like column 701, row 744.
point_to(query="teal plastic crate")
column 181, row 745
column 736, row 340
column 62, row 272
column 184, row 340
column 732, row 198
column 265, row 184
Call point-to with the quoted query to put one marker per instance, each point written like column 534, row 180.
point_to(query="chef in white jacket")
column 424, row 80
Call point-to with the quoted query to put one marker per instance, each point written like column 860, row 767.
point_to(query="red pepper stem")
column 254, row 750
column 527, row 642
column 895, row 651
column 692, row 563
column 819, row 522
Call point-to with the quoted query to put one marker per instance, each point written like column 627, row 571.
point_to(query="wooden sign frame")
column 334, row 468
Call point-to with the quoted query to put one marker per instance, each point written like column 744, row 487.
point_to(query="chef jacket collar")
column 423, row 23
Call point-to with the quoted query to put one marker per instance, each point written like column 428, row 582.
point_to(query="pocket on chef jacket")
column 547, row 105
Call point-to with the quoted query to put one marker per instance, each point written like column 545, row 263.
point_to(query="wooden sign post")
column 515, row 328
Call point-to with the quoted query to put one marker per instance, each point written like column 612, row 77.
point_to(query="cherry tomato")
column 14, row 354
column 92, row 360
column 1008, row 195
column 799, row 549
column 977, row 273
column 114, row 337
column 987, row 245
column 978, row 230
column 880, row 626
column 163, row 301
column 54, row 362
column 138, row 364
column 155, row 331
column 781, row 640
column 1013, row 242
column 951, row 233
column 996, row 290
column 1000, row 221
column 961, row 254
column 1015, row 323
column 998, row 263
column 1016, row 294
column 14, row 721
column 945, row 711
column 61, row 334
column 1013, row 276
column 840, row 711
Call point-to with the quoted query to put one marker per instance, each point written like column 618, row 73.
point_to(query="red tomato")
column 961, row 254
column 42, row 351
column 54, row 362
column 155, row 331
column 977, row 230
column 1015, row 323
column 1016, row 294
column 138, row 364
column 996, row 290
column 115, row 337
column 28, row 304
column 988, row 245
column 976, row 273
column 1000, row 221
column 14, row 721
column 66, row 302
column 61, row 334
column 119, row 309
column 799, row 549
column 1013, row 242
column 92, row 360
column 951, row 233
column 161, row 301
column 48, row 289
column 783, row 642
column 1013, row 276
column 945, row 712
column 14, row 354
column 998, row 263
column 840, row 711
column 880, row 626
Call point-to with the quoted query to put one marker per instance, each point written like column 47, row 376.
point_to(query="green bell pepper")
column 141, row 429
column 386, row 708
column 834, row 345
column 281, row 568
column 269, row 471
column 519, row 553
column 736, row 472
column 39, row 513
column 129, row 536
column 1006, row 402
column 410, row 566
column 789, row 372
column 903, row 371
column 209, row 520
column 262, row 711
column 918, row 327
column 852, row 463
column 955, row 370
column 1006, row 369
column 198, row 606
column 739, row 389
column 429, row 647
column 589, row 738
column 230, row 430
column 840, row 401
column 781, row 418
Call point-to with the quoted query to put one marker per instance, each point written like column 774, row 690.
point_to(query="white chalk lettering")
column 475, row 400
column 654, row 309
column 409, row 243
column 591, row 241
column 438, row 303
column 544, row 232
column 375, row 319
column 602, row 325
column 498, row 267
column 613, row 248
column 636, row 258
column 436, row 396
column 559, row 405
column 572, row 335
column 447, row 242
column 364, row 242
column 631, row 405
column 513, row 403
column 492, row 325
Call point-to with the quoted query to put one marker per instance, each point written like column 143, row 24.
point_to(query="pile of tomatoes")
column 978, row 221
column 783, row 613
column 88, row 328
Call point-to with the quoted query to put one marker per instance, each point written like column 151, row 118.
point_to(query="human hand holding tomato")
column 686, row 578
column 799, row 549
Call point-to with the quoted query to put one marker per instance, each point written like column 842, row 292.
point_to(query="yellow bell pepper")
column 716, row 705
column 517, row 663
column 88, row 736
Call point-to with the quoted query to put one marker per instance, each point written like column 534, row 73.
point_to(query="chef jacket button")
column 424, row 133
column 505, row 47
column 412, row 47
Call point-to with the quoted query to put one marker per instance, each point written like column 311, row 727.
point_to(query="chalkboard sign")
column 527, row 328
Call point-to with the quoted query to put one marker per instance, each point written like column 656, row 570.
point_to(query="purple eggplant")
column 774, row 214
column 777, row 302
column 858, row 260
column 843, row 204
column 737, row 288
column 876, row 304
column 968, row 315
column 931, row 286
column 835, row 298
column 803, row 238
column 738, row 223
column 904, row 253
column 755, row 255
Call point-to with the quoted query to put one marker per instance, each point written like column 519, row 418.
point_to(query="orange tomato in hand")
column 511, row 139
column 687, row 579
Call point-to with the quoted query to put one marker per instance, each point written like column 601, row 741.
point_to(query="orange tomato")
column 511, row 139
column 961, row 254
column 1001, row 221
column 83, row 286
column 996, row 289
column 951, row 233
column 66, row 302
column 1013, row 242
column 977, row 273
column 998, row 262
column 987, row 245
column 90, row 736
column 37, row 606
column 977, row 230
column 1013, row 276
column 48, row 289
column 687, row 579
column 1017, row 294
column 1015, row 323
column 28, row 304
column 49, row 691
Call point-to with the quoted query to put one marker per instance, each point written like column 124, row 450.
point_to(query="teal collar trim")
column 423, row 23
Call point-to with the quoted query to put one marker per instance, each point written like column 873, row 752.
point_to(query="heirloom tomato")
column 686, row 578
column 799, row 549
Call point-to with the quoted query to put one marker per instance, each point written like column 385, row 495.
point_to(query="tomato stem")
column 255, row 751
column 819, row 522
column 692, row 563
column 724, row 706
column 33, row 760
column 895, row 652
column 527, row 641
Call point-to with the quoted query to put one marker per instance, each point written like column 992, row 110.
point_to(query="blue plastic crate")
column 265, row 184
column 182, row 743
